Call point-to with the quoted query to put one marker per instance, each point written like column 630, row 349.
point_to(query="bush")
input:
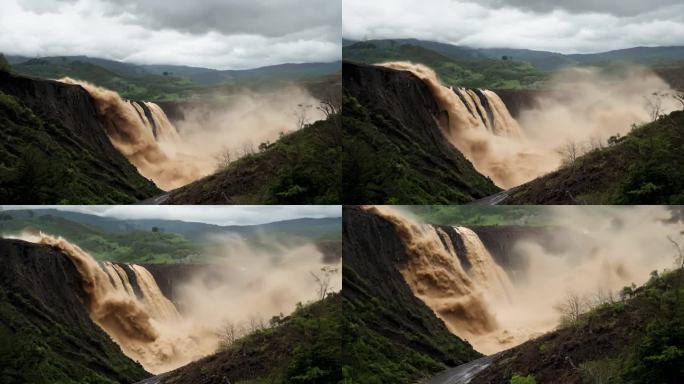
column 517, row 379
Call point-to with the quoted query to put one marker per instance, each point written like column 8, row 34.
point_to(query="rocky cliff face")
column 379, row 298
column 46, row 333
column 76, row 138
column 394, row 115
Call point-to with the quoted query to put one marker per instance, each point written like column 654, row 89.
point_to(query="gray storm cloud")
column 209, row 33
column 561, row 26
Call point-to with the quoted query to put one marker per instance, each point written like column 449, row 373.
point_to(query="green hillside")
column 167, row 82
column 299, row 168
column 42, row 161
column 168, row 241
column 643, row 167
column 129, row 246
column 638, row 338
column 456, row 71
column 542, row 60
column 302, row 348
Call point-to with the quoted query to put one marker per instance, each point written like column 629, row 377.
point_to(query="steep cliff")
column 394, row 336
column 56, row 150
column 46, row 334
column 394, row 150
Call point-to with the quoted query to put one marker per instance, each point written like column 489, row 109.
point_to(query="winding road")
column 496, row 198
column 153, row 380
column 463, row 373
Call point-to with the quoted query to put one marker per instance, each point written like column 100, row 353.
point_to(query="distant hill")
column 457, row 67
column 166, row 241
column 542, row 60
column 163, row 82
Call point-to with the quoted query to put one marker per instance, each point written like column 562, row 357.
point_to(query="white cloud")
column 559, row 27
column 220, row 214
column 206, row 34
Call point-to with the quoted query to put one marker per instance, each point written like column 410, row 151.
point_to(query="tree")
column 229, row 333
column 654, row 104
column 323, row 280
column 572, row 308
column 679, row 96
column 224, row 158
column 155, row 229
column 679, row 256
column 4, row 64
column 569, row 152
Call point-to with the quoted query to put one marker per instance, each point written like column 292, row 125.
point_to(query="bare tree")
column 572, row 307
column 300, row 114
column 654, row 105
column 679, row 96
column 323, row 280
column 247, row 149
column 603, row 296
column 256, row 323
column 229, row 333
column 224, row 158
column 679, row 257
column 570, row 152
column 595, row 143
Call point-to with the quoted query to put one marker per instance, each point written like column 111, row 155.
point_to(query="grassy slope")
column 384, row 167
column 640, row 340
column 43, row 163
column 644, row 168
column 456, row 71
column 304, row 347
column 300, row 168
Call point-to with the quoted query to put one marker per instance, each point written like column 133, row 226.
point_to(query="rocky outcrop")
column 518, row 100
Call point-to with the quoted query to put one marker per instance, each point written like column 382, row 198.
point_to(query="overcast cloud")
column 567, row 26
column 221, row 34
column 220, row 215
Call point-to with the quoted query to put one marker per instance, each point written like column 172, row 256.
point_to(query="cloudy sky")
column 567, row 26
column 222, row 34
column 220, row 215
